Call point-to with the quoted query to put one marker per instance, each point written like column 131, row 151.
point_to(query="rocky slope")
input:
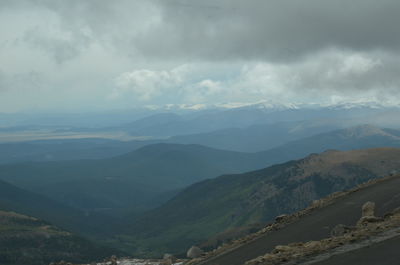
column 322, row 229
column 230, row 201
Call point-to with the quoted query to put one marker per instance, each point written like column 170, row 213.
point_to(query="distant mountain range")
column 212, row 206
column 147, row 177
column 358, row 137
column 169, row 121
column 269, row 105
column 172, row 124
column 140, row 179
column 249, row 139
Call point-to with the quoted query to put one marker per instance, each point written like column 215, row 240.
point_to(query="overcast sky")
column 102, row 54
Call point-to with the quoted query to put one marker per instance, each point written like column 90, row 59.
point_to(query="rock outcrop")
column 368, row 209
column 368, row 214
column 194, row 252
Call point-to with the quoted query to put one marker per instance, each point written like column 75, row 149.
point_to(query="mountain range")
column 158, row 124
column 150, row 175
column 178, row 183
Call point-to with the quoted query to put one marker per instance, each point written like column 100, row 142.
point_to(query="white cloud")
column 329, row 76
column 318, row 77
column 146, row 84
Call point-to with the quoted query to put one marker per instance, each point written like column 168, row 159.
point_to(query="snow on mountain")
column 271, row 106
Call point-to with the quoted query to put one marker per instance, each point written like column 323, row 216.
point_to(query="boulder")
column 169, row 259
column 194, row 252
column 282, row 248
column 168, row 256
column 368, row 209
column 368, row 214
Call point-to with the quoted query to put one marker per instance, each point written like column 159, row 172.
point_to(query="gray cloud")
column 111, row 24
column 271, row 30
column 61, row 49
column 2, row 81
column 277, row 30
column 287, row 50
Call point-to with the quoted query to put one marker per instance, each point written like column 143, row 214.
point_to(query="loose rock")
column 368, row 209
column 194, row 252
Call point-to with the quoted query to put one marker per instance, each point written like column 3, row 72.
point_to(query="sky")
column 77, row 55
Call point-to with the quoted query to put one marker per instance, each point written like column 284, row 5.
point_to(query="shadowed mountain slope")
column 27, row 240
column 22, row 201
column 212, row 206
column 66, row 149
column 139, row 179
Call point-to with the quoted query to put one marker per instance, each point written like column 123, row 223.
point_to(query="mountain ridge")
column 215, row 205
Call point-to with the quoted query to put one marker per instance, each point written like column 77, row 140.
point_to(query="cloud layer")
column 95, row 54
column 326, row 77
column 272, row 30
